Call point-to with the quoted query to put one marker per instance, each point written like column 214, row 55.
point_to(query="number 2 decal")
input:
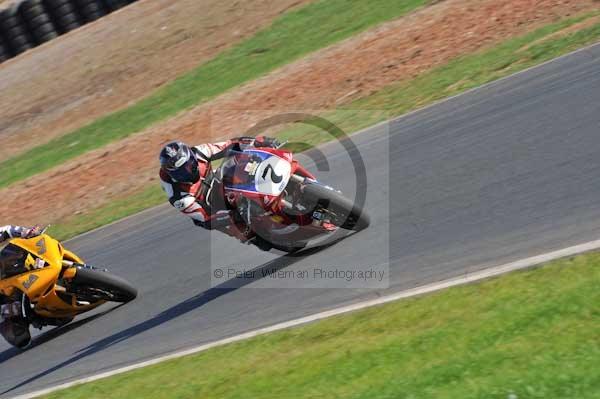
column 275, row 178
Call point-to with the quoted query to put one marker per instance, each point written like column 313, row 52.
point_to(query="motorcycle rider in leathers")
column 13, row 323
column 184, row 175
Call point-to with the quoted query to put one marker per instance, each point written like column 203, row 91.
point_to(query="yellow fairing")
column 39, row 282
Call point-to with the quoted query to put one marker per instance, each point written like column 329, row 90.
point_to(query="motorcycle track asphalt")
column 504, row 172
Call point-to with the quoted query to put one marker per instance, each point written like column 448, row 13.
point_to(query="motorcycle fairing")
column 259, row 172
column 39, row 284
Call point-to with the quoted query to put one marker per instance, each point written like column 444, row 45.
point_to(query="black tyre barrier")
column 32, row 22
column 61, row 9
column 113, row 5
column 30, row 11
column 14, row 30
column 20, row 43
column 54, row 4
column 38, row 20
column 91, row 10
column 45, row 32
column 64, row 15
column 64, row 9
column 68, row 22
column 5, row 52
column 11, row 22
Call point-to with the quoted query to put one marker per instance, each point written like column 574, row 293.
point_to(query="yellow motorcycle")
column 53, row 284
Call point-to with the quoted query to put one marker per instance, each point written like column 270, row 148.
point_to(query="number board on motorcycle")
column 272, row 175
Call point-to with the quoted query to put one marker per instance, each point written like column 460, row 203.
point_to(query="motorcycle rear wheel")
column 94, row 285
column 343, row 212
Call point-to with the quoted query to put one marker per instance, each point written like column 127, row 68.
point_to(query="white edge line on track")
column 483, row 274
column 396, row 118
column 469, row 278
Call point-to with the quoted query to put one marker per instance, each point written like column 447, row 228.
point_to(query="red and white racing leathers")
column 190, row 199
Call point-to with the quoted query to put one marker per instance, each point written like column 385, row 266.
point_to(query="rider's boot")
column 14, row 327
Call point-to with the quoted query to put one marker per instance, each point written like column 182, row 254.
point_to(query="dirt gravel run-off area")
column 393, row 52
column 109, row 64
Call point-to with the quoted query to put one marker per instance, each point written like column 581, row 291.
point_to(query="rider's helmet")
column 179, row 162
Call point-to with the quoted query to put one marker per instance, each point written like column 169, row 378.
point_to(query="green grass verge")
column 453, row 78
column 101, row 216
column 457, row 76
column 529, row 334
column 291, row 36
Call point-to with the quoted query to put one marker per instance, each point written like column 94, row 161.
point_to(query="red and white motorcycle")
column 280, row 201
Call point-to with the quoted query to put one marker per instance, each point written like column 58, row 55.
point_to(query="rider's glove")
column 32, row 232
column 262, row 141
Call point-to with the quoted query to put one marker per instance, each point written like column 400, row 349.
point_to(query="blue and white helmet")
column 179, row 162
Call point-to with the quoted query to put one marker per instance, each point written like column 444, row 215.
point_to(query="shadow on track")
column 50, row 335
column 184, row 307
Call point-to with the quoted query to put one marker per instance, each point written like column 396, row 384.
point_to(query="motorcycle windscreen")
column 12, row 261
column 256, row 171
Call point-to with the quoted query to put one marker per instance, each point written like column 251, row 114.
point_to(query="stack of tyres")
column 114, row 5
column 64, row 14
column 5, row 53
column 14, row 31
column 32, row 22
column 91, row 10
column 38, row 20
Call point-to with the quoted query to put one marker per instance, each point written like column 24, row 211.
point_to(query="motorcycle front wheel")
column 343, row 212
column 94, row 285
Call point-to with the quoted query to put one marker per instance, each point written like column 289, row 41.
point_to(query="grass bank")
column 455, row 77
column 291, row 36
column 529, row 334
column 459, row 75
